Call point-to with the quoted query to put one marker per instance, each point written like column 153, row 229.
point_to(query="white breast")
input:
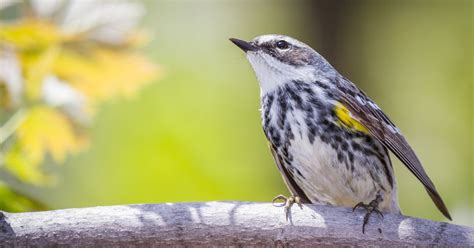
column 328, row 181
column 325, row 179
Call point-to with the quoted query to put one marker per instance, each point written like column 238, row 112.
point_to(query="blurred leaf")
column 36, row 67
column 47, row 130
column 23, row 167
column 43, row 131
column 105, row 73
column 12, row 201
column 30, row 34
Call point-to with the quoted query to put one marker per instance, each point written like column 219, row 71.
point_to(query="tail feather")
column 439, row 203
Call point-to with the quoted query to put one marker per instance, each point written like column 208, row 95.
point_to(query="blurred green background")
column 195, row 134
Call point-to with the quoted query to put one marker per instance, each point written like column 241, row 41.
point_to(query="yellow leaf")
column 36, row 66
column 24, row 167
column 30, row 34
column 103, row 74
column 47, row 130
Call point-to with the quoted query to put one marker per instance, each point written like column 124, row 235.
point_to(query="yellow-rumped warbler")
column 329, row 140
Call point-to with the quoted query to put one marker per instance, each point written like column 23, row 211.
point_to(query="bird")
column 329, row 140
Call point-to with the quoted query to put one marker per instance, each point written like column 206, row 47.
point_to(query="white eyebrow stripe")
column 274, row 37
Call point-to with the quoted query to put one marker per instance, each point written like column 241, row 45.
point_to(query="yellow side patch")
column 346, row 120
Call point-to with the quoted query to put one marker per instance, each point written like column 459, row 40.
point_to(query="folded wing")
column 379, row 125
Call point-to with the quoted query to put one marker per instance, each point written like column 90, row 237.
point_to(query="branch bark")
column 223, row 224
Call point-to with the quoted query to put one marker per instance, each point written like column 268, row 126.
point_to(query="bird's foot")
column 288, row 203
column 370, row 208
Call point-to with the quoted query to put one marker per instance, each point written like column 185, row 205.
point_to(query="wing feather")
column 382, row 128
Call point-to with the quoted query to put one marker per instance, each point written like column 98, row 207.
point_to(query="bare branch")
column 223, row 224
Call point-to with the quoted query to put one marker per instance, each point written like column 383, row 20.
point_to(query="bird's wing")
column 288, row 177
column 379, row 125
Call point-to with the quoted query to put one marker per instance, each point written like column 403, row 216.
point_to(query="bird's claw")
column 288, row 203
column 370, row 208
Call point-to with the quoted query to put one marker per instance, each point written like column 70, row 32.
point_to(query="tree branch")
column 223, row 224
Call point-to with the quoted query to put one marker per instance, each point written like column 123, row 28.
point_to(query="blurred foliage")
column 55, row 73
column 196, row 135
column 16, row 202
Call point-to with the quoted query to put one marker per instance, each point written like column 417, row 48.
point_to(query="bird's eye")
column 282, row 45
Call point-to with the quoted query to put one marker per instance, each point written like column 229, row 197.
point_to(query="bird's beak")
column 244, row 45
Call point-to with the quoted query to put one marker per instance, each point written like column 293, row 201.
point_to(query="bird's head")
column 279, row 59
